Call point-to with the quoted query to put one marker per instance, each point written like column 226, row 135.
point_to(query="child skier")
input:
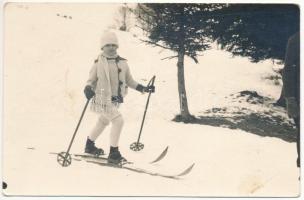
column 108, row 82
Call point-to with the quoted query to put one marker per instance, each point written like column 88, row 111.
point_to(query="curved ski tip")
column 186, row 171
column 161, row 156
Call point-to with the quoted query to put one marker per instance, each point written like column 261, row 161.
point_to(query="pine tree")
column 256, row 31
column 182, row 28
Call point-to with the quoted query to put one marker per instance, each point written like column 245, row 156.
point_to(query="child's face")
column 110, row 49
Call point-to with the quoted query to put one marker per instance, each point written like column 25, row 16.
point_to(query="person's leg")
column 297, row 122
column 100, row 125
column 114, row 155
column 117, row 124
column 90, row 147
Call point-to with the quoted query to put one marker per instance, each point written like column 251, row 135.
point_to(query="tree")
column 123, row 19
column 181, row 28
column 257, row 31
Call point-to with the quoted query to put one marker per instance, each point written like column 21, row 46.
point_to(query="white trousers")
column 105, row 118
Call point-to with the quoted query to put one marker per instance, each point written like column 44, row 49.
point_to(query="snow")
column 47, row 60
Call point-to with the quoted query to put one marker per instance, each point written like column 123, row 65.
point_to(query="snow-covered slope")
column 47, row 60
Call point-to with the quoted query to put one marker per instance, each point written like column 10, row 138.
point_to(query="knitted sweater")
column 114, row 77
column 106, row 81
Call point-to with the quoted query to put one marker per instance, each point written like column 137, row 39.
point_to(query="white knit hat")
column 108, row 38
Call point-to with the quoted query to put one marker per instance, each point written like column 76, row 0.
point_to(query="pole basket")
column 64, row 159
column 137, row 146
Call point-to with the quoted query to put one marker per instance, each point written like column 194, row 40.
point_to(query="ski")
column 157, row 159
column 95, row 157
column 102, row 161
column 161, row 156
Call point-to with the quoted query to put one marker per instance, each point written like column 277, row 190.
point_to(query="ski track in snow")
column 44, row 99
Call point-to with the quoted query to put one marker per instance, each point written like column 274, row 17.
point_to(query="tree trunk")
column 184, row 111
column 123, row 11
column 281, row 100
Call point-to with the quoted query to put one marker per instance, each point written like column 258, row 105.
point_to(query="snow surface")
column 47, row 60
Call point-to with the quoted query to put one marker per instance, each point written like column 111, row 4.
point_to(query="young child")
column 108, row 82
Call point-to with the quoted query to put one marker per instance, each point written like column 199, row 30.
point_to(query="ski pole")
column 64, row 158
column 137, row 146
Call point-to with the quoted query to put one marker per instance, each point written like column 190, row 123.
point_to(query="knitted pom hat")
column 108, row 38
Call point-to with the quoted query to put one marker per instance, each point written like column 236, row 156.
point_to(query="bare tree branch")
column 142, row 28
column 153, row 43
column 145, row 11
column 145, row 20
column 194, row 58
column 170, row 57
